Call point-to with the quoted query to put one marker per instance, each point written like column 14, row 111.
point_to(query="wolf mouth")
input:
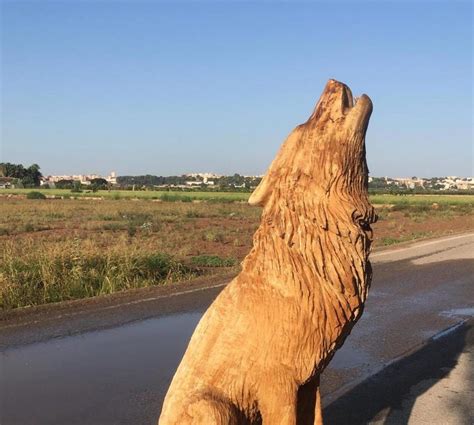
column 350, row 103
column 338, row 103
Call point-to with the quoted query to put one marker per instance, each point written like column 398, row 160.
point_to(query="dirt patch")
column 401, row 227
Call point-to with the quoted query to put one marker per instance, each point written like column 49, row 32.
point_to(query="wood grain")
column 257, row 353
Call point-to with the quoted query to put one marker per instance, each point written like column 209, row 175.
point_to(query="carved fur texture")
column 258, row 351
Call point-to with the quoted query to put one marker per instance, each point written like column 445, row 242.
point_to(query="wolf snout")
column 364, row 103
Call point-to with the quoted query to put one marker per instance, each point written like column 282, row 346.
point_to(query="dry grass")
column 54, row 250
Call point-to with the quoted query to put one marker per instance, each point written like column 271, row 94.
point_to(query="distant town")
column 17, row 176
column 212, row 179
column 433, row 183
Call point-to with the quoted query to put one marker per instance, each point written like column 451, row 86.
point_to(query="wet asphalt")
column 110, row 361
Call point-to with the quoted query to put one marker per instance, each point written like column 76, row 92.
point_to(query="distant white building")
column 112, row 177
column 203, row 175
column 409, row 183
column 85, row 179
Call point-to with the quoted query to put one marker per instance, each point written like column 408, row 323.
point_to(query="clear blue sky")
column 163, row 88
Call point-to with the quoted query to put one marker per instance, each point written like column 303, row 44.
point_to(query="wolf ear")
column 261, row 193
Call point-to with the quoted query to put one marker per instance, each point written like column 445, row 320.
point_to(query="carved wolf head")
column 321, row 170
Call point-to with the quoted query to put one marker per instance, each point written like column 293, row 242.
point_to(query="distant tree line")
column 26, row 176
column 76, row 186
column 31, row 176
column 149, row 180
column 235, row 182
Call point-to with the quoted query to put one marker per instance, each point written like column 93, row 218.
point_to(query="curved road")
column 109, row 361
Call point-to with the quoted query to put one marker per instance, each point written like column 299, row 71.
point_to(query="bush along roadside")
column 70, row 274
column 35, row 195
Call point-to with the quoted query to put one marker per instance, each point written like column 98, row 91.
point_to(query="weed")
column 114, row 226
column 75, row 272
column 194, row 214
column 237, row 242
column 131, row 230
column 106, row 217
column 133, row 216
column 55, row 215
column 29, row 227
column 390, row 241
column 213, row 261
column 386, row 241
column 212, row 236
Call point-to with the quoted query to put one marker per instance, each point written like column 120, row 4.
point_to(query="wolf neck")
column 300, row 258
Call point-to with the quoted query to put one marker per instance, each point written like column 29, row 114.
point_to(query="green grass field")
column 139, row 194
column 171, row 196
column 422, row 200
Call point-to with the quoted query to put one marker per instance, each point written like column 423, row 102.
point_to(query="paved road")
column 108, row 372
column 434, row 385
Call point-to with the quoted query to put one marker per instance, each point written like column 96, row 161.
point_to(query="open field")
column 182, row 196
column 168, row 196
column 423, row 200
column 61, row 249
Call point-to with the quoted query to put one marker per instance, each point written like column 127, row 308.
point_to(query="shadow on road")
column 388, row 397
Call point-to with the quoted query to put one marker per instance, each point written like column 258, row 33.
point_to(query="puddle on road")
column 459, row 312
column 114, row 376
column 93, row 377
column 350, row 357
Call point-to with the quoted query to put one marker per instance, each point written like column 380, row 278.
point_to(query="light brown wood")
column 258, row 351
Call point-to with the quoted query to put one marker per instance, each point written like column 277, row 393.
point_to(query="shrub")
column 212, row 236
column 71, row 273
column 169, row 197
column 29, row 227
column 194, row 214
column 114, row 226
column 35, row 195
column 77, row 187
column 156, row 267
column 131, row 229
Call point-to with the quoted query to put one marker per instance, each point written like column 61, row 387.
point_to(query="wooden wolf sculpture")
column 257, row 353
